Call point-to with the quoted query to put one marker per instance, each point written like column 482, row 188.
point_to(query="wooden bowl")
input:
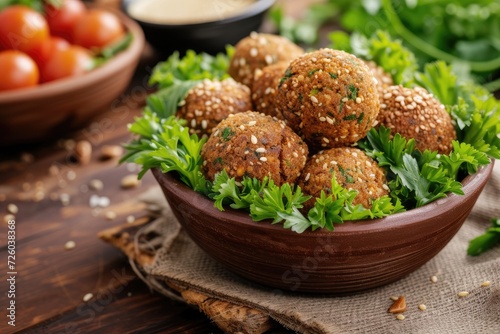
column 356, row 256
column 52, row 109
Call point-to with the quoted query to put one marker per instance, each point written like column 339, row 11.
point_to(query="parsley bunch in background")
column 463, row 33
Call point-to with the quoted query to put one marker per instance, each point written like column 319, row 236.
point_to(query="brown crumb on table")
column 399, row 305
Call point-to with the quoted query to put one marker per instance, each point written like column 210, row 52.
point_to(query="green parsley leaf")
column 191, row 67
column 485, row 241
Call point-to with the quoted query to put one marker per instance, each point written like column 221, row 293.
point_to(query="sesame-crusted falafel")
column 211, row 101
column 415, row 113
column 384, row 79
column 254, row 145
column 257, row 51
column 265, row 87
column 329, row 98
column 353, row 170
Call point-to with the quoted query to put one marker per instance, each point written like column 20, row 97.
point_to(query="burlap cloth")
column 179, row 260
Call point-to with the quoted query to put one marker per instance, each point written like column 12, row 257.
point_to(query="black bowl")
column 211, row 37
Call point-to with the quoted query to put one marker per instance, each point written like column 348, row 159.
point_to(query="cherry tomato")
column 17, row 70
column 62, row 19
column 22, row 28
column 72, row 61
column 97, row 28
column 44, row 51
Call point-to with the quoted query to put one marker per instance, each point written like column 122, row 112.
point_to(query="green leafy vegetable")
column 388, row 53
column 485, row 241
column 459, row 32
column 418, row 178
column 166, row 144
column 191, row 67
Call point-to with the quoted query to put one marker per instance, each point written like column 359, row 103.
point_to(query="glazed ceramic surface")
column 356, row 256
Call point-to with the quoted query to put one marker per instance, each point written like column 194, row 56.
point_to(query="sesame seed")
column 322, row 119
column 422, row 307
column 12, row 208
column 358, row 100
column 260, row 150
column 204, row 124
column 193, row 123
column 385, row 186
column 268, row 59
column 314, row 99
column 254, row 52
column 387, row 95
column 326, row 140
column 253, row 139
column 69, row 245
column 434, row 279
column 96, row 184
column 399, row 98
column 345, row 99
column 307, row 177
column 325, row 165
column 295, row 154
column 110, row 215
column 462, row 294
column 354, row 154
column 394, row 298
column 263, row 159
column 400, row 317
column 252, row 123
column 485, row 284
column 88, row 297
column 130, row 219
column 329, row 120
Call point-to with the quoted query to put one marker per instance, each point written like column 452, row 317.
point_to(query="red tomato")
column 62, row 19
column 44, row 51
column 17, row 70
column 72, row 61
column 97, row 28
column 22, row 28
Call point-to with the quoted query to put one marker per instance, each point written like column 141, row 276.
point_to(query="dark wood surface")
column 51, row 281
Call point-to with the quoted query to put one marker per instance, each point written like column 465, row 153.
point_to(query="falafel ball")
column 257, row 51
column 265, row 87
column 329, row 98
column 254, row 145
column 353, row 170
column 211, row 101
column 384, row 79
column 415, row 113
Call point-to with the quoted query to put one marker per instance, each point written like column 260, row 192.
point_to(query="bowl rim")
column 403, row 220
column 65, row 85
column 259, row 6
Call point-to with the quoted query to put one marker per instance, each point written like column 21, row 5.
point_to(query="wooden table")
column 52, row 195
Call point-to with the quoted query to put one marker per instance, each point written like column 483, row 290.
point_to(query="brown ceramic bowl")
column 356, row 256
column 52, row 109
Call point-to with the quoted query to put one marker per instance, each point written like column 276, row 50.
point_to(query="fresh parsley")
column 166, row 144
column 487, row 240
